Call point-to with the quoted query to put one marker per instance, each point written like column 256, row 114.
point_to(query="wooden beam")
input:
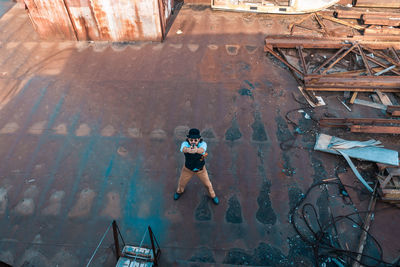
column 353, row 97
column 339, row 21
column 375, row 129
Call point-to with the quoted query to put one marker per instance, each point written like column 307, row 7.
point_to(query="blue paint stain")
column 28, row 121
column 59, row 159
column 140, row 193
column 81, row 167
column 5, row 5
column 109, row 168
column 249, row 84
column 43, row 137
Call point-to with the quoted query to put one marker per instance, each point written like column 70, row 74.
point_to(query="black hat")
column 194, row 133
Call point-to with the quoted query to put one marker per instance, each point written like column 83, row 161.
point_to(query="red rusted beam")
column 289, row 41
column 364, row 59
column 290, row 66
column 303, row 61
column 378, row 63
column 382, row 55
column 338, row 59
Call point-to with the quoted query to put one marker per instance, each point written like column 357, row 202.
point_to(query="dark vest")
column 194, row 161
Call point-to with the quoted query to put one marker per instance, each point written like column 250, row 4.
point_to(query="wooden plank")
column 343, row 89
column 384, row 98
column 369, row 19
column 353, row 97
column 381, row 31
column 369, row 104
column 339, row 21
column 375, row 3
column 375, row 129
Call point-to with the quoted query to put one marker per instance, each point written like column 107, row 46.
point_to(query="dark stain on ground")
column 244, row 67
column 208, row 133
column 249, row 84
column 284, row 135
column 267, row 83
column 245, row 92
column 322, row 201
column 203, row 255
column 263, row 255
column 250, row 48
column 319, row 170
column 265, row 213
column 295, row 195
column 259, row 134
column 203, row 212
column 198, row 7
column 233, row 133
column 300, row 254
column 232, row 49
column 323, row 204
column 234, row 212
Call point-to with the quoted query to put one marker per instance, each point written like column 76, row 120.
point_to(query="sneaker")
column 215, row 200
column 177, row 195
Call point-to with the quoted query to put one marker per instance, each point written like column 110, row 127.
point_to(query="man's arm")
column 194, row 150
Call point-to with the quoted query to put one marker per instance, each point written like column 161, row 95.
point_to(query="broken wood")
column 393, row 110
column 375, row 129
column 354, row 26
column 363, row 125
column 353, row 97
column 369, row 104
column 365, row 228
column 384, row 98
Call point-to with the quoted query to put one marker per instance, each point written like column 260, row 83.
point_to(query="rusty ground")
column 89, row 132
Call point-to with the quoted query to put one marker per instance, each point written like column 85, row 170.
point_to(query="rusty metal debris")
column 361, row 67
column 389, row 180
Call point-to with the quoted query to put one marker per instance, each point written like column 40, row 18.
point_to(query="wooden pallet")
column 389, row 181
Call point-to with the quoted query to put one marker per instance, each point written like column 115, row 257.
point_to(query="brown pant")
column 187, row 174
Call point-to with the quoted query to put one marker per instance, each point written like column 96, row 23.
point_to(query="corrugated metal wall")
column 107, row 20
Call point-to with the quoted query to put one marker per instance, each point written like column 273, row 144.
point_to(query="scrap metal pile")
column 349, row 50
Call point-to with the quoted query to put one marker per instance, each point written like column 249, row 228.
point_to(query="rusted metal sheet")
column 50, row 19
column 107, row 20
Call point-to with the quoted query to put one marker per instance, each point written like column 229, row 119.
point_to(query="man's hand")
column 190, row 150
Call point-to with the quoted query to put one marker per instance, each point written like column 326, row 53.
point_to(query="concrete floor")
column 90, row 132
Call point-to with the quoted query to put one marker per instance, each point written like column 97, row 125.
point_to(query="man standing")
column 194, row 149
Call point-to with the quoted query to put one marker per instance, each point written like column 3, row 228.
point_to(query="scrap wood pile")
column 351, row 51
